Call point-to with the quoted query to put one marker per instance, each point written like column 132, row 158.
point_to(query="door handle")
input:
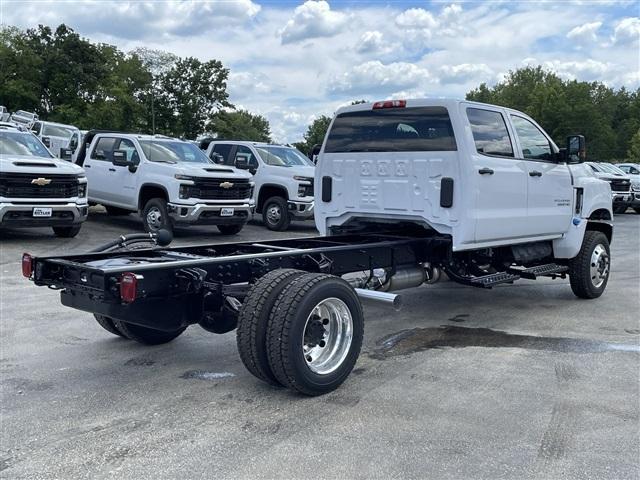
column 485, row 171
column 112, row 169
column 87, row 166
column 535, row 173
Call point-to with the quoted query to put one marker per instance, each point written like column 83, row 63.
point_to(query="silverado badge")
column 41, row 182
column 226, row 184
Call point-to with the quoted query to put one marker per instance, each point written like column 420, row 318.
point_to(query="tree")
column 241, row 125
column 633, row 154
column 314, row 135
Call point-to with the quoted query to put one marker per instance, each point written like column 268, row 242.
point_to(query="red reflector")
column 129, row 287
column 27, row 265
column 390, row 104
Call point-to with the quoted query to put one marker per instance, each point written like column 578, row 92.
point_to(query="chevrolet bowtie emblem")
column 40, row 181
column 226, row 184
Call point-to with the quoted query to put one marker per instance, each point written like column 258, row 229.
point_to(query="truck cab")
column 282, row 174
column 62, row 140
column 37, row 189
column 485, row 175
column 168, row 181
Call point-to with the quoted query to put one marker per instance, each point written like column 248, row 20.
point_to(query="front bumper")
column 300, row 210
column 209, row 214
column 20, row 214
column 622, row 198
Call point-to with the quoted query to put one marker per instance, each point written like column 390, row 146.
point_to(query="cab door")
column 96, row 166
column 549, row 185
column 122, row 181
column 498, row 177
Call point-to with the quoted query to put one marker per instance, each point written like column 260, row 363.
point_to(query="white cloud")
column 585, row 70
column 464, row 72
column 370, row 42
column 313, row 19
column 627, row 30
column 585, row 33
column 416, row 18
column 376, row 77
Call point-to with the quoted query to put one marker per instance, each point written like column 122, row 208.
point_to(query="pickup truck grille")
column 620, row 185
column 18, row 185
column 211, row 189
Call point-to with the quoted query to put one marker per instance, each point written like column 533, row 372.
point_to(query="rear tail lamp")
column 129, row 286
column 27, row 265
column 390, row 104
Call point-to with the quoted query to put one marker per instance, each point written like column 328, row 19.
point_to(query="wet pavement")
column 522, row 381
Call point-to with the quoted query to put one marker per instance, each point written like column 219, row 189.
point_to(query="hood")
column 211, row 171
column 38, row 165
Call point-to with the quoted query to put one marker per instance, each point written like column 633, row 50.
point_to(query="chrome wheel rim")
column 327, row 336
column 599, row 265
column 154, row 218
column 274, row 213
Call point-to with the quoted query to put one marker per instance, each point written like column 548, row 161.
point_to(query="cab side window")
column 103, row 149
column 224, row 150
column 490, row 132
column 533, row 142
column 243, row 151
column 129, row 148
column 36, row 128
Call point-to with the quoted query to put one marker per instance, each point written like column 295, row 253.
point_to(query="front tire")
column 67, row 232
column 230, row 229
column 146, row 336
column 115, row 211
column 589, row 270
column 637, row 209
column 315, row 333
column 619, row 209
column 155, row 216
column 275, row 214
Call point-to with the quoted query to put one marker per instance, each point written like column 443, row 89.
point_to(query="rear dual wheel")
column 144, row 335
column 307, row 337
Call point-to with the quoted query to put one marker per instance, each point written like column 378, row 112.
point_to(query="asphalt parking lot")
column 523, row 381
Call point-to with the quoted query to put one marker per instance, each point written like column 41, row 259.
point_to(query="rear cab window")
column 490, row 133
column 413, row 129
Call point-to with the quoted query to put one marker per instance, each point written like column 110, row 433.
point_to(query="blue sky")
column 293, row 61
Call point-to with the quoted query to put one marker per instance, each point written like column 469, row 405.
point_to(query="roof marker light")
column 390, row 104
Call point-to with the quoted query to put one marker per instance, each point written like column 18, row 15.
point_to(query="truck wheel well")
column 268, row 191
column 600, row 214
column 147, row 192
column 603, row 227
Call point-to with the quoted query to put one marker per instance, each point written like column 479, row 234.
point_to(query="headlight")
column 82, row 190
column 185, row 191
column 635, row 186
column 303, row 179
column 177, row 176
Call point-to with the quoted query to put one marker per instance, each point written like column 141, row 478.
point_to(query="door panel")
column 122, row 182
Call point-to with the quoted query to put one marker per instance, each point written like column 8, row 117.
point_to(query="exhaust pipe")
column 392, row 299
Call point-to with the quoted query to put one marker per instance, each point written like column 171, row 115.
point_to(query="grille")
column 210, row 189
column 619, row 185
column 18, row 185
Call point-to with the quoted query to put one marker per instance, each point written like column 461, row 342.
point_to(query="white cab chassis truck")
column 38, row 190
column 282, row 174
column 406, row 190
column 169, row 182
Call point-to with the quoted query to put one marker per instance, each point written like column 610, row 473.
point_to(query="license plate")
column 226, row 212
column 41, row 212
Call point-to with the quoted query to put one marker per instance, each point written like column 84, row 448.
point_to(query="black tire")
column 580, row 273
column 108, row 324
column 253, row 320
column 275, row 214
column 619, row 209
column 155, row 216
column 67, row 232
column 230, row 229
column 287, row 328
column 115, row 211
column 146, row 336
column 637, row 209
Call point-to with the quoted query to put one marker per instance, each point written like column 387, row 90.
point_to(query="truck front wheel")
column 589, row 270
column 315, row 333
column 67, row 232
column 275, row 214
column 155, row 216
column 230, row 229
column 144, row 335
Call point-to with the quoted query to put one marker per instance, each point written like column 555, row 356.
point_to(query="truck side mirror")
column 119, row 158
column 217, row 158
column 66, row 154
column 576, row 149
column 242, row 162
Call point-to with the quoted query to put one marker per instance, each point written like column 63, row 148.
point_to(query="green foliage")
column 241, row 125
column 314, row 135
column 633, row 154
column 607, row 118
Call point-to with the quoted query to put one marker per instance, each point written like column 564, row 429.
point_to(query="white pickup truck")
column 62, row 140
column 24, row 118
column 405, row 189
column 282, row 174
column 36, row 189
column 170, row 182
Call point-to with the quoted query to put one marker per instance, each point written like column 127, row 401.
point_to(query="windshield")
column 172, row 151
column 21, row 143
column 283, row 156
column 57, row 131
column 611, row 169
